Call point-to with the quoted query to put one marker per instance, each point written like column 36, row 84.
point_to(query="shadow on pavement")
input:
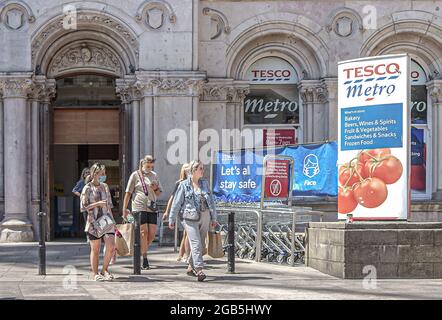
column 233, row 278
column 138, row 279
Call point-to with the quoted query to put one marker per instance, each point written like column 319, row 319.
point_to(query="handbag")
column 101, row 226
column 189, row 213
column 215, row 246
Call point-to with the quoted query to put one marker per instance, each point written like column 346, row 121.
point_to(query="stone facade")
column 390, row 250
column 181, row 60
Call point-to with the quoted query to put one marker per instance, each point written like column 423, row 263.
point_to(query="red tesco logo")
column 370, row 70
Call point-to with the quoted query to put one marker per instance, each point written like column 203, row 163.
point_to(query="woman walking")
column 194, row 204
column 184, row 245
column 144, row 187
column 96, row 201
column 79, row 188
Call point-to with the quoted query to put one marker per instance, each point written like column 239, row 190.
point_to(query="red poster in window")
column 278, row 137
column 276, row 179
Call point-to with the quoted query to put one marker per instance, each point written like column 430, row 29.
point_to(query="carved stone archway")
column 105, row 30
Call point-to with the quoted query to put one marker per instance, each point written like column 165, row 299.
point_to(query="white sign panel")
column 373, row 138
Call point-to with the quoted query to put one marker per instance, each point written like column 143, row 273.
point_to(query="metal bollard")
column 231, row 243
column 41, row 244
column 137, row 245
column 292, row 244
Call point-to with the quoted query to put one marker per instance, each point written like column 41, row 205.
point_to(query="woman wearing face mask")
column 79, row 187
column 184, row 246
column 144, row 187
column 194, row 203
column 96, row 200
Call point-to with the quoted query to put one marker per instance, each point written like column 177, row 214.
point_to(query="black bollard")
column 137, row 241
column 41, row 244
column 231, row 243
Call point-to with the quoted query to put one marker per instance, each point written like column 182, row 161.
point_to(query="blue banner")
column 417, row 146
column 237, row 176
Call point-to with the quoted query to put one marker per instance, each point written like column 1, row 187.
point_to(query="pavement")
column 68, row 273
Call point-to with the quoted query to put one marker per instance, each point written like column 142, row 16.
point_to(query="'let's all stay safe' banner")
column 237, row 176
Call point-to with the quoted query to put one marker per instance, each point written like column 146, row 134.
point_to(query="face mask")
column 102, row 179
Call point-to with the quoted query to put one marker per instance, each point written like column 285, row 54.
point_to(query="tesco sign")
column 271, row 73
column 272, row 70
column 370, row 81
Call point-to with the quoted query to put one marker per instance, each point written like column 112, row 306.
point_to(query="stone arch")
column 295, row 38
column 413, row 32
column 94, row 30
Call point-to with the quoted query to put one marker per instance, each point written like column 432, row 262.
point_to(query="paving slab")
column 68, row 277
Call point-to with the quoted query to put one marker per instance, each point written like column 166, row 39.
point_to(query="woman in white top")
column 96, row 200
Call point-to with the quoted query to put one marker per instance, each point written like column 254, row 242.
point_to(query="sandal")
column 108, row 276
column 201, row 276
column 191, row 273
column 99, row 277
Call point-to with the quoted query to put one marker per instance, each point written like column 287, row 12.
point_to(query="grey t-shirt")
column 140, row 202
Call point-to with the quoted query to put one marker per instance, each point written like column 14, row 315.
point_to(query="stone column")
column 2, row 172
column 221, row 107
column 42, row 92
column 130, row 96
column 235, row 106
column 16, row 226
column 315, row 122
column 435, row 91
column 330, row 86
column 168, row 102
column 135, row 133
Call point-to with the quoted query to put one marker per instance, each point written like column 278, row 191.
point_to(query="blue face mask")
column 102, row 179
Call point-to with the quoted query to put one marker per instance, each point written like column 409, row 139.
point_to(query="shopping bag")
column 215, row 246
column 121, row 246
column 127, row 232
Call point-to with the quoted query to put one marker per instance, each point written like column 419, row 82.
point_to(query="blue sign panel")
column 371, row 127
column 237, row 176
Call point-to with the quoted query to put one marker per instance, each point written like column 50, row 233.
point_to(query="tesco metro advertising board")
column 373, row 138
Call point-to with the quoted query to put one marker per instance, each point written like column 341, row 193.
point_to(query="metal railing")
column 277, row 216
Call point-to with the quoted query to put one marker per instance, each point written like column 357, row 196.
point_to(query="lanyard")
column 143, row 183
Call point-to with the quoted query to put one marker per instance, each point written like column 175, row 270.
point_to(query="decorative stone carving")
column 237, row 94
column 153, row 14
column 15, row 87
column 84, row 19
column 14, row 15
column 43, row 90
column 135, row 88
column 225, row 91
column 435, row 91
column 344, row 26
column 86, row 55
column 219, row 20
column 313, row 93
column 343, row 22
column 125, row 92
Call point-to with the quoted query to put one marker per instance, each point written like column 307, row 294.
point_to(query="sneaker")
column 145, row 264
column 108, row 276
column 99, row 277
